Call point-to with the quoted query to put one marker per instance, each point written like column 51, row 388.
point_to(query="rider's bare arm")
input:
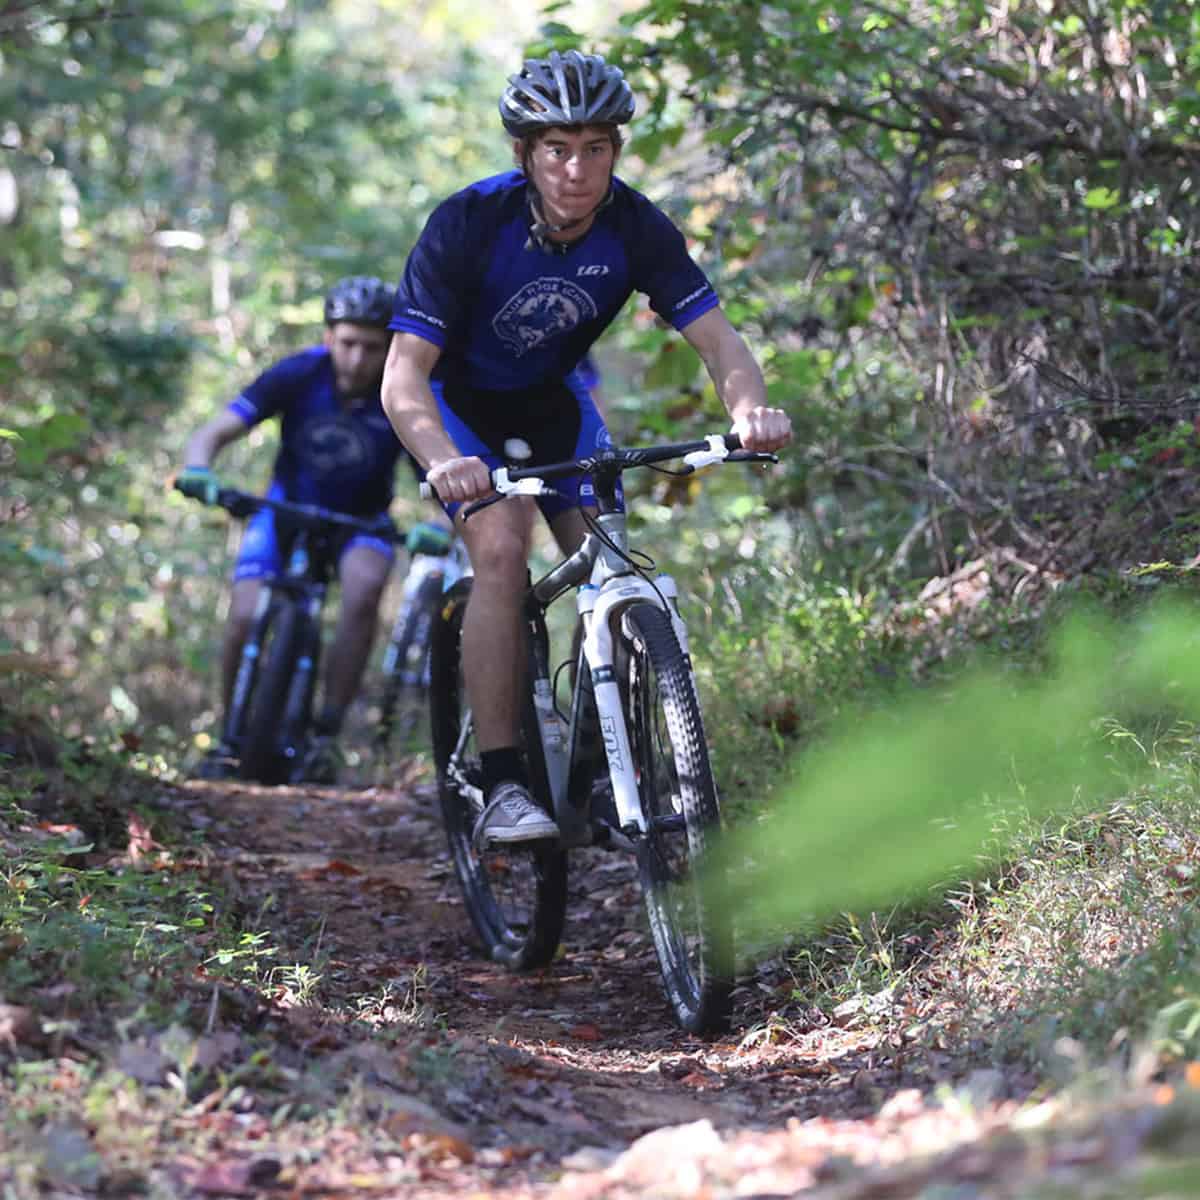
column 412, row 409
column 208, row 441
column 738, row 381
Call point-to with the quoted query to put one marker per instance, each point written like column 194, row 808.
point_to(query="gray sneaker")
column 512, row 815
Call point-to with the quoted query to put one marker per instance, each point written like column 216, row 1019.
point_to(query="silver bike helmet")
column 362, row 299
column 565, row 89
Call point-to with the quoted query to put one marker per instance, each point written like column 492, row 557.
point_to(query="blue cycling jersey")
column 340, row 458
column 586, row 374
column 508, row 316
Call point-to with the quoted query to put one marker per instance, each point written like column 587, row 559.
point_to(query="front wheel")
column 516, row 896
column 692, row 932
column 403, row 699
column 262, row 756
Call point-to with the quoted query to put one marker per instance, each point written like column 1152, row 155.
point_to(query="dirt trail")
column 538, row 1085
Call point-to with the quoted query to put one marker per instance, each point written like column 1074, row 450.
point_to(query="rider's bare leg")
column 569, row 530
column 497, row 539
column 363, row 574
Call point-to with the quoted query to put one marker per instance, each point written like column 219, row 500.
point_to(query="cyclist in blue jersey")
column 511, row 281
column 336, row 450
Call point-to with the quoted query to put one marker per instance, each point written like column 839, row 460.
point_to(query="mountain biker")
column 510, row 282
column 336, row 450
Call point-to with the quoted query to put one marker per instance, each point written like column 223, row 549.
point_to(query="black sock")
column 503, row 764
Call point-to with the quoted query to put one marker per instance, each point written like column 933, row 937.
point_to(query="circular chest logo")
column 541, row 310
column 334, row 447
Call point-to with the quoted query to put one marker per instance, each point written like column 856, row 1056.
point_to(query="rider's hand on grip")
column 763, row 429
column 199, row 483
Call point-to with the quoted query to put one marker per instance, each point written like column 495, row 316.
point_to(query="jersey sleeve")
column 428, row 301
column 268, row 395
column 677, row 288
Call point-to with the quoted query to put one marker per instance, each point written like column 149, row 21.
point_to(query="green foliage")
column 186, row 180
column 908, row 795
column 968, row 223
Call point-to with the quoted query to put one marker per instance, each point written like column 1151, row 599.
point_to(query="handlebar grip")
column 733, row 441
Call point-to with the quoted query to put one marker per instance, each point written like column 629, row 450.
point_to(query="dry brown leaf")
column 18, row 1024
column 335, row 867
column 439, row 1146
column 235, row 1177
column 142, row 1061
column 141, row 841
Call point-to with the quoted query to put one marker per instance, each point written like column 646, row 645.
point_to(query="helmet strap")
column 540, row 228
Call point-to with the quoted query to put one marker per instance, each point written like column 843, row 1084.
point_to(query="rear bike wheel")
column 403, row 701
column 262, row 750
column 693, row 935
column 516, row 896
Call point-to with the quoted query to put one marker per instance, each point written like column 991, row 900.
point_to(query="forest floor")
column 372, row 1052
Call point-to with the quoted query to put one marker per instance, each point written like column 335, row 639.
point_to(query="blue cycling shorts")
column 261, row 557
column 560, row 422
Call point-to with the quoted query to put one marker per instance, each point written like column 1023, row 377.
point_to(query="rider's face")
column 358, row 353
column 571, row 169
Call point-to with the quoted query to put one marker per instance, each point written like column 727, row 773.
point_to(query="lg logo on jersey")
column 595, row 270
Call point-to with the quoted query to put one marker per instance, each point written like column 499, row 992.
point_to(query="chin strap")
column 540, row 229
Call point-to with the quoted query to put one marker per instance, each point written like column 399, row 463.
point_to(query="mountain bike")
column 438, row 561
column 268, row 724
column 625, row 766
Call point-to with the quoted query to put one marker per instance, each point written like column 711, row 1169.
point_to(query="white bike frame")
column 612, row 586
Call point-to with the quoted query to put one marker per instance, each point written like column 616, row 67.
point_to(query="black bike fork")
column 247, row 672
column 297, row 711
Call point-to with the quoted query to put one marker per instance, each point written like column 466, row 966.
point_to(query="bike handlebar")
column 310, row 516
column 718, row 448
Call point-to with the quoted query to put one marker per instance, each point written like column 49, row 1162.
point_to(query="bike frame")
column 608, row 585
column 299, row 588
column 450, row 568
column 597, row 711
column 304, row 584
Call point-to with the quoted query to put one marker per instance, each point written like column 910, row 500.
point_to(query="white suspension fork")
column 615, row 596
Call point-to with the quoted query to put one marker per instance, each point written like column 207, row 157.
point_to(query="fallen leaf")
column 216, row 1047
column 439, row 1146
column 18, row 1024
column 226, row 1178
column 332, row 868
column 142, row 1061
column 141, row 841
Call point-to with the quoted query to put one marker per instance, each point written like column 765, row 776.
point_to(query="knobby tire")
column 516, row 895
column 403, row 701
column 262, row 752
column 692, row 932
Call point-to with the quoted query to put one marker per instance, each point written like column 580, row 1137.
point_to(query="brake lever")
column 759, row 456
column 472, row 509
